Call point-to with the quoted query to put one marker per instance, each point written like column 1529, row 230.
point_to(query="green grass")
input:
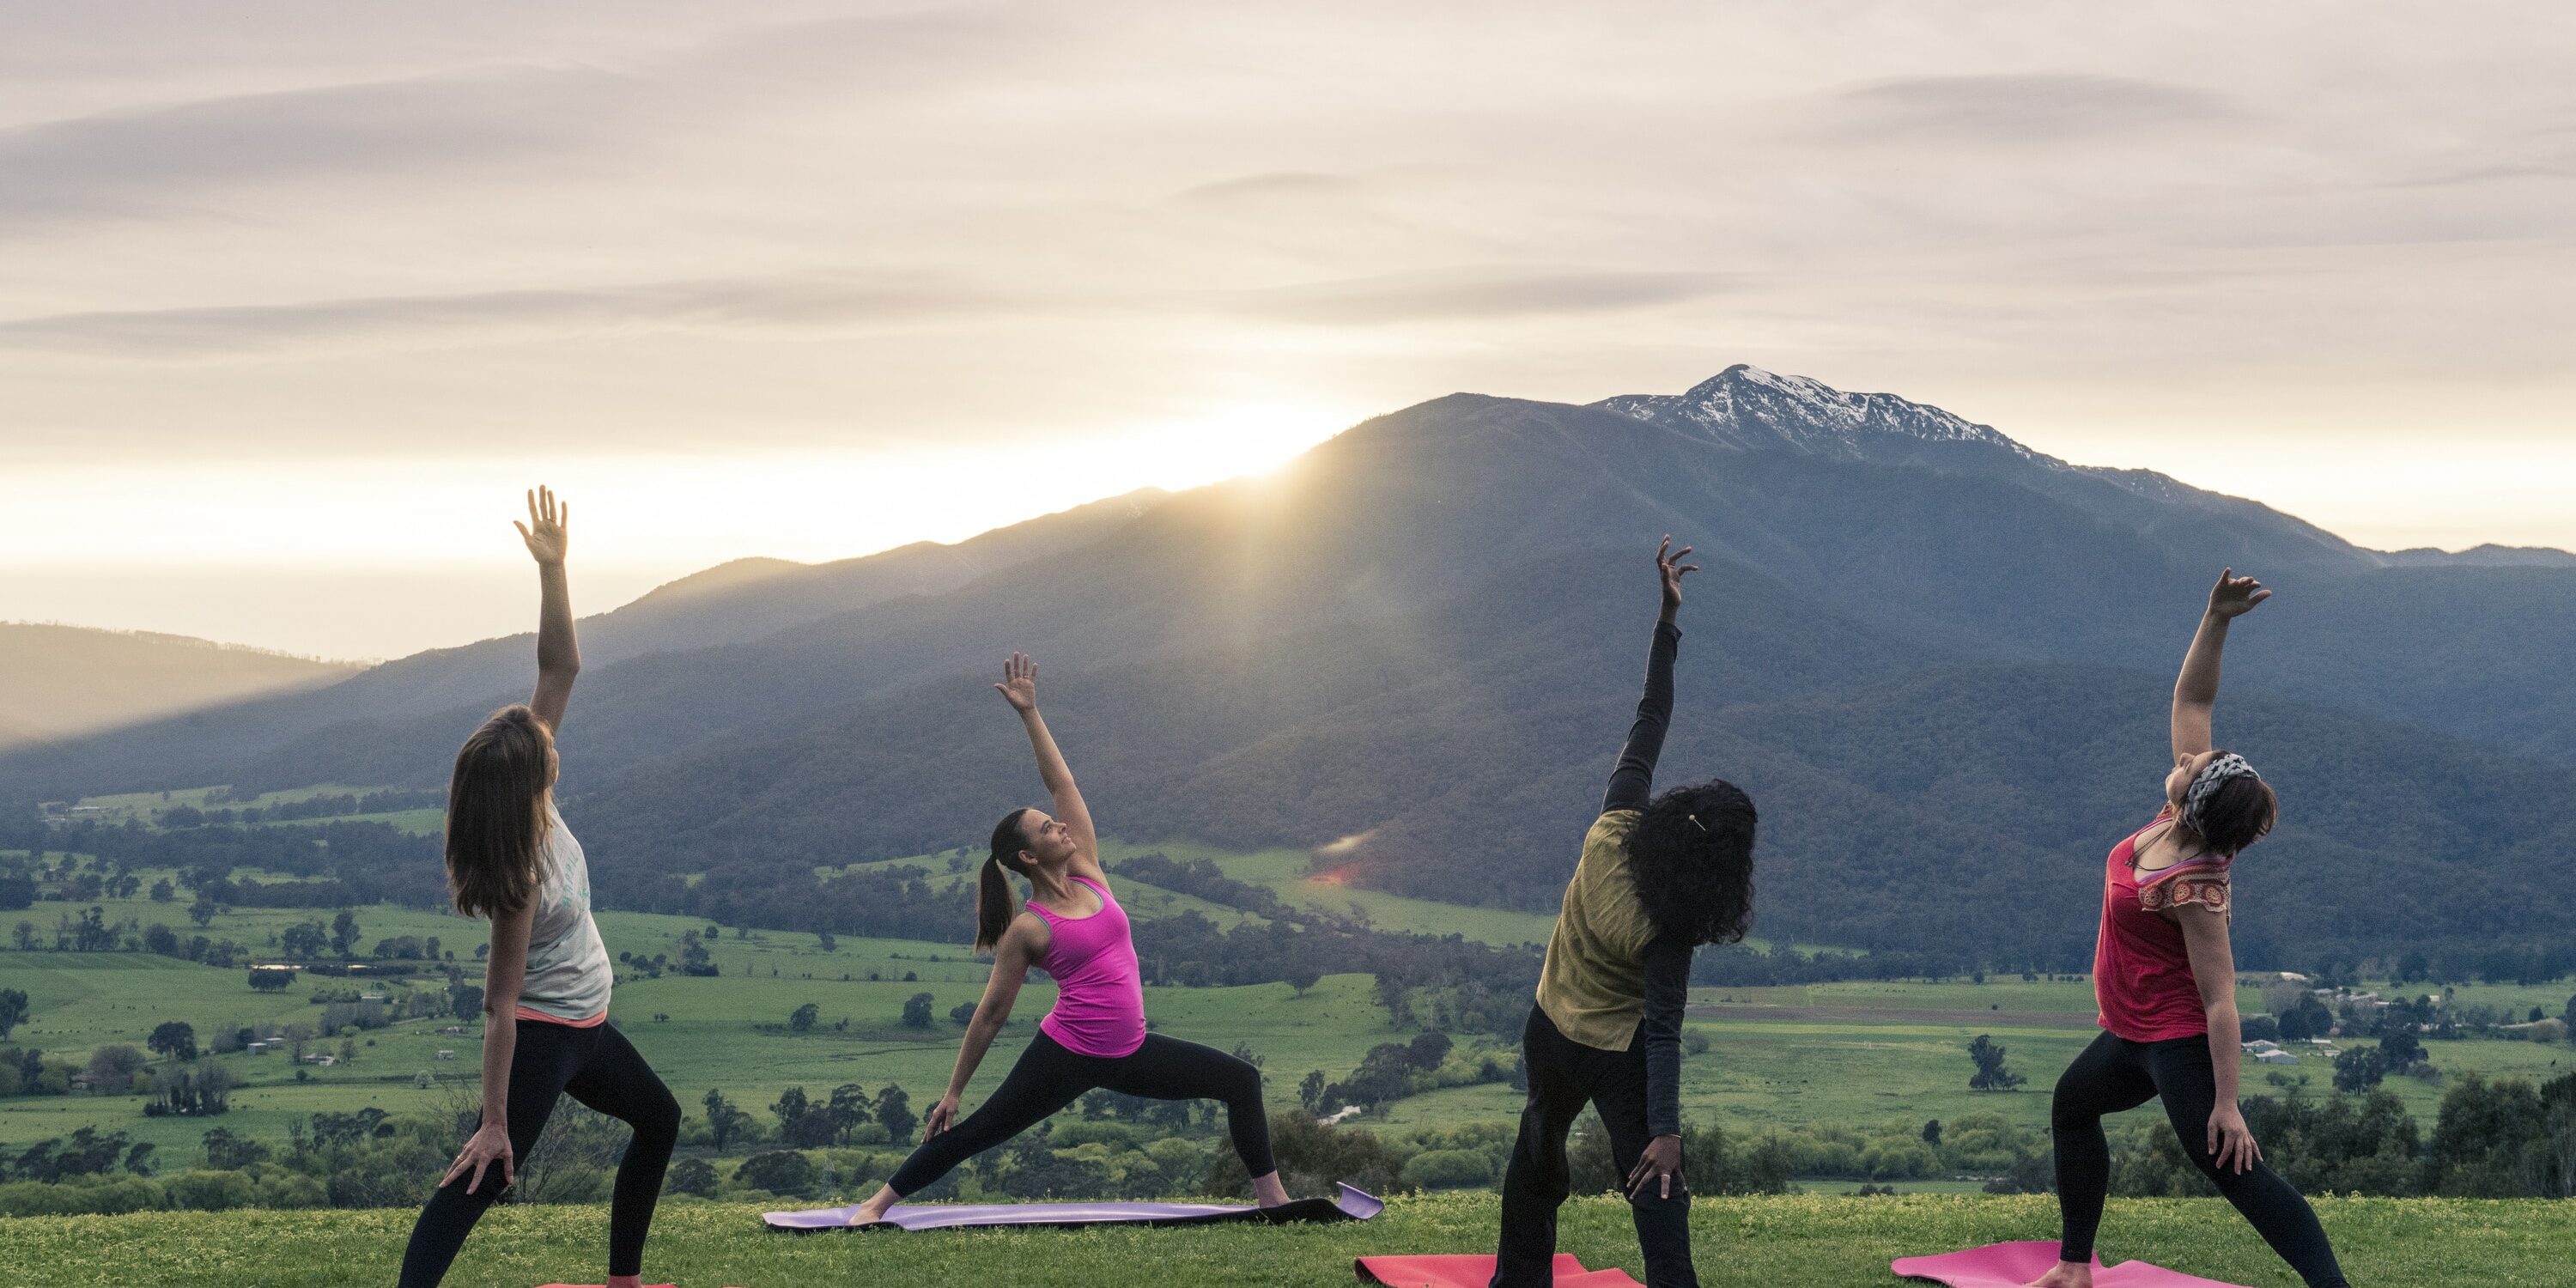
column 1797, row 1241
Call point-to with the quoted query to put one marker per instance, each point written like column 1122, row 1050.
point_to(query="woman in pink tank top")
column 2165, row 979
column 1095, row 1037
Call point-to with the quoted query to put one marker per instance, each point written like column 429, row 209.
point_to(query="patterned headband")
column 2219, row 772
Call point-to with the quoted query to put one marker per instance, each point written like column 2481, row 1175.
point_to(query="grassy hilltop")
column 1796, row 1241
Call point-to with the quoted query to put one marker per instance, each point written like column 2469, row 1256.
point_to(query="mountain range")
column 70, row 681
column 1936, row 657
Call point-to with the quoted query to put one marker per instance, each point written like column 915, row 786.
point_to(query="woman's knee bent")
column 1240, row 1084
column 657, row 1120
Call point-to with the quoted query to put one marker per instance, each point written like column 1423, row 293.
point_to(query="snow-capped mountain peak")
column 1747, row 407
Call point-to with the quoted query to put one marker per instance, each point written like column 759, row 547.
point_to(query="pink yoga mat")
column 2010, row 1265
column 1476, row 1272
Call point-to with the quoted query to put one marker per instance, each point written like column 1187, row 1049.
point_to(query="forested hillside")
column 1937, row 658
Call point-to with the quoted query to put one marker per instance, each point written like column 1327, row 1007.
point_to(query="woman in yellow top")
column 1659, row 876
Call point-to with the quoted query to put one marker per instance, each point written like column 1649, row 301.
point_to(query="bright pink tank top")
column 1100, row 993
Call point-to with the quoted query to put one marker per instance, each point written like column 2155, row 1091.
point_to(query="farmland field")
column 1837, row 1053
column 1854, row 1053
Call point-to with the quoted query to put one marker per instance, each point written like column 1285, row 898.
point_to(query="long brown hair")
column 493, row 823
column 995, row 904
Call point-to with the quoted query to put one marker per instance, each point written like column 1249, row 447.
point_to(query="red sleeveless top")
column 2141, row 968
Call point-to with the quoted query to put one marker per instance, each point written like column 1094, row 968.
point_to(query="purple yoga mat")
column 2010, row 1265
column 1349, row 1205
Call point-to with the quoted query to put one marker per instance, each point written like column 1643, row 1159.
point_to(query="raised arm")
column 1632, row 781
column 558, row 654
column 1019, row 687
column 2196, row 689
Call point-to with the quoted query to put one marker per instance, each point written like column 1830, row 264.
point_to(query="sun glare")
column 1225, row 442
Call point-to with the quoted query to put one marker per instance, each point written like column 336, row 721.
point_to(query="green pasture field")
column 1794, row 1241
column 1140, row 897
column 1860, row 1052
column 726, row 1032
column 1284, row 871
column 140, row 807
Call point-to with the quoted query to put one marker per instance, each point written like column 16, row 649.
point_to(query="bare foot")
column 873, row 1211
column 2067, row 1274
column 1267, row 1191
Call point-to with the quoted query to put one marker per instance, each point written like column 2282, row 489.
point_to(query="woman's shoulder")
column 2187, row 884
column 1613, row 825
column 1031, row 929
column 558, row 847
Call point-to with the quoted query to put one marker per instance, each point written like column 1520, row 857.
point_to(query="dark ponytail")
column 995, row 905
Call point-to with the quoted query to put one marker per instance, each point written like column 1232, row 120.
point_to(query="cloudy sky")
column 294, row 297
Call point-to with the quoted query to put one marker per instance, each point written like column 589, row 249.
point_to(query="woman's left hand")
column 2235, row 596
column 1660, row 1165
column 2231, row 1141
column 488, row 1149
column 545, row 529
column 1019, row 684
column 1669, row 569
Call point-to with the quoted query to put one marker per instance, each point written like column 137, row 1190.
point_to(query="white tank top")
column 568, row 968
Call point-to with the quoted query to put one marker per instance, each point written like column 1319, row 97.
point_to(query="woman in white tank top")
column 545, row 1000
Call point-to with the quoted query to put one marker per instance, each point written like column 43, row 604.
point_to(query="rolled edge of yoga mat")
column 1351, row 1204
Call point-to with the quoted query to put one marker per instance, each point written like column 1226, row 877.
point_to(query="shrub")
column 1312, row 1157
column 1449, row 1169
column 691, row 1176
column 69, row 1198
column 779, row 1171
column 210, row 1191
column 1086, row 1132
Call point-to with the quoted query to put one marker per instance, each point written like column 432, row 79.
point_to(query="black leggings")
column 1564, row 1076
column 2115, row 1074
column 1049, row 1077
column 600, row 1068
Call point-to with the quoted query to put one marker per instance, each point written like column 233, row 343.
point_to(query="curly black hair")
column 1692, row 856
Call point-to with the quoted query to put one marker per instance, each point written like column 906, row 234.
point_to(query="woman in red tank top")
column 2165, row 980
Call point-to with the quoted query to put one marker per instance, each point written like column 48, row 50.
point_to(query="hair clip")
column 1697, row 824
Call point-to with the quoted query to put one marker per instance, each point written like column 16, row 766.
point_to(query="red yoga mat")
column 2010, row 1265
column 1476, row 1272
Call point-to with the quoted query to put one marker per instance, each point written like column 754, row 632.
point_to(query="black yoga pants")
column 2115, row 1074
column 1565, row 1075
column 1049, row 1077
column 600, row 1068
